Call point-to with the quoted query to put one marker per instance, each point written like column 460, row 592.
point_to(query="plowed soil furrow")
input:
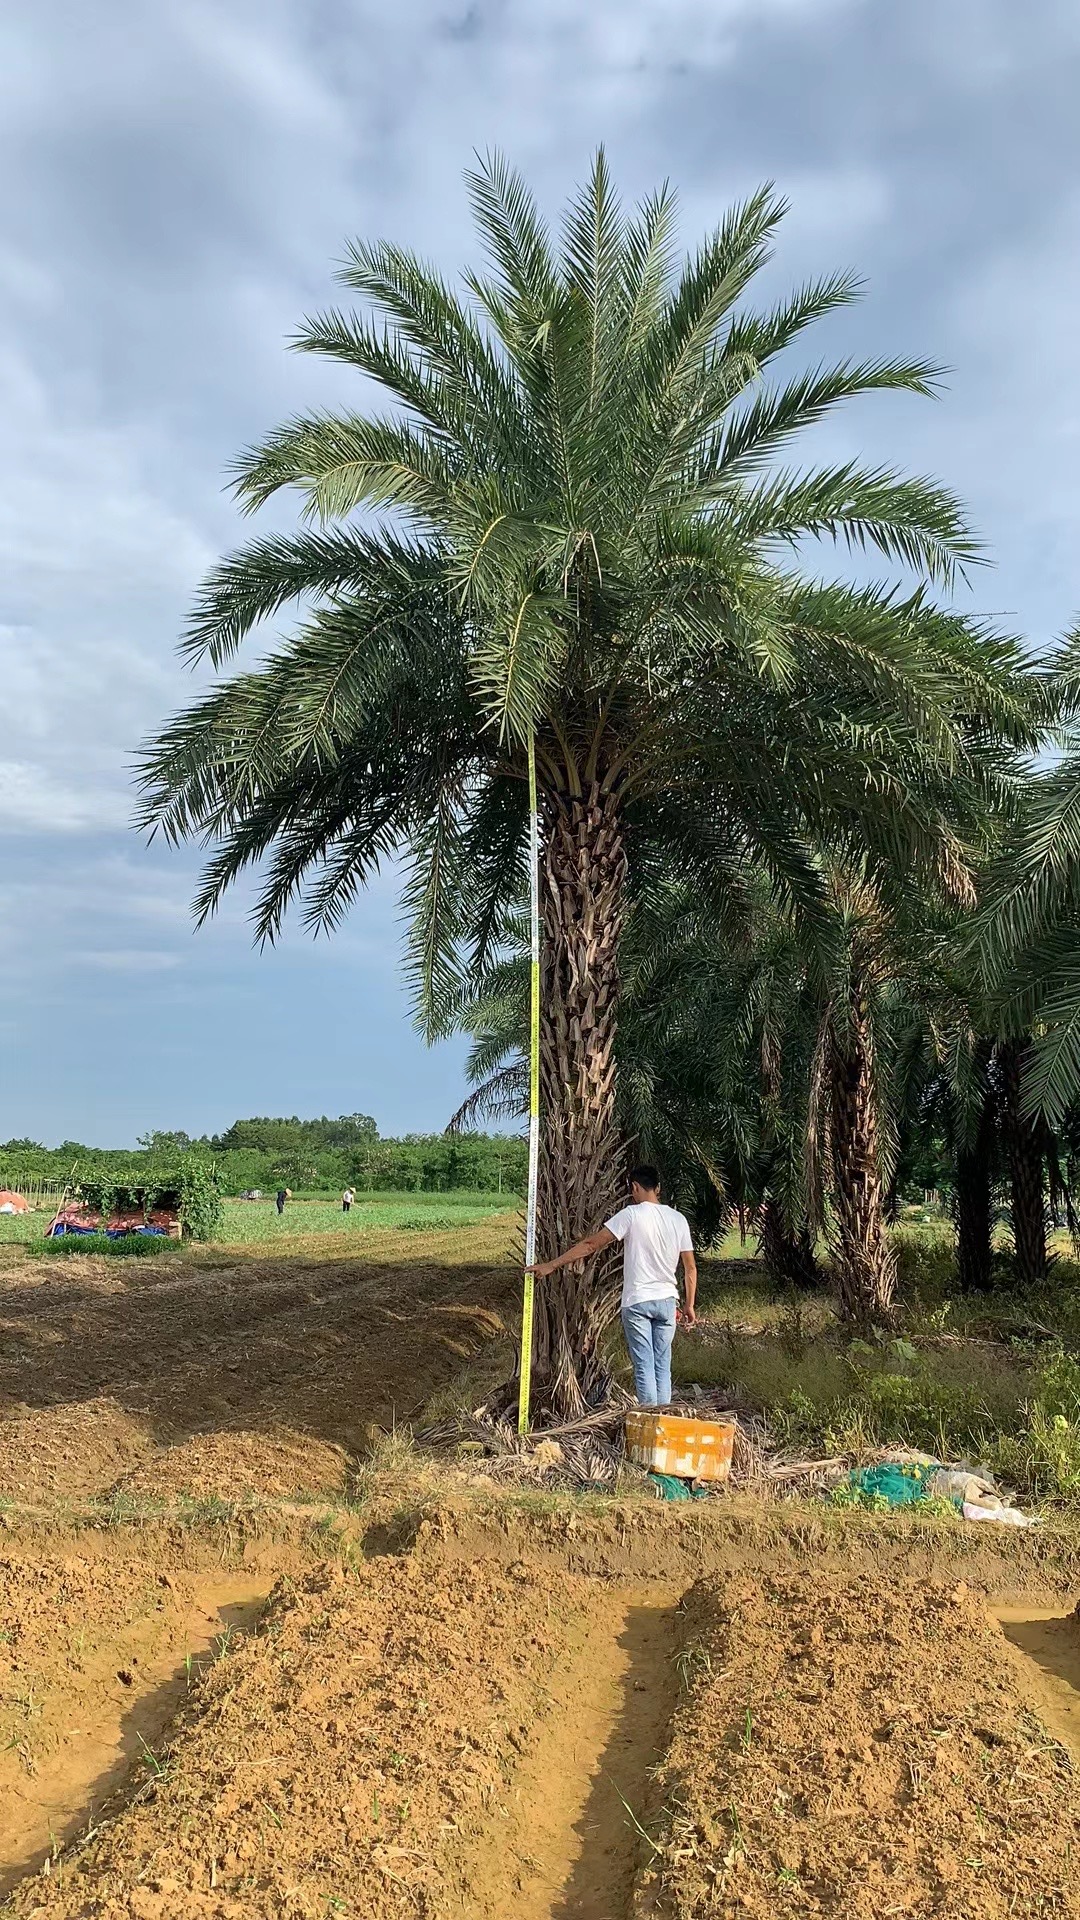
column 1046, row 1651
column 567, row 1843
column 858, row 1748
column 91, row 1725
column 105, row 1374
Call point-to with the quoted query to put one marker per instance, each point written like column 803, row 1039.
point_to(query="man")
column 347, row 1199
column 654, row 1239
column 280, row 1197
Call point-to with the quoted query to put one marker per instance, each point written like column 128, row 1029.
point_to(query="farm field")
column 258, row 1659
column 249, row 1222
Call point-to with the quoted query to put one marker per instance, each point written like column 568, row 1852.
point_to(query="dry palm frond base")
column 590, row 1453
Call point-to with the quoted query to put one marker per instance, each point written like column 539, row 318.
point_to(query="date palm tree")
column 1028, row 928
column 572, row 526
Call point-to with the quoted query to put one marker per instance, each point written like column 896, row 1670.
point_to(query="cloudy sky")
column 180, row 180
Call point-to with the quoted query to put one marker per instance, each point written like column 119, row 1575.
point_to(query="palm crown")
column 585, row 538
column 1028, row 930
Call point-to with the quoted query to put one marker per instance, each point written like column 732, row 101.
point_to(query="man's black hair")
column 647, row 1177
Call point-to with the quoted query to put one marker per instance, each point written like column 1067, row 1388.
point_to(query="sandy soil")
column 860, row 1749
column 95, row 1660
column 566, row 1844
column 336, row 1759
column 464, row 1741
column 262, row 1376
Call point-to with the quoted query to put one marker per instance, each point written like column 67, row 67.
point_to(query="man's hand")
column 581, row 1250
column 687, row 1316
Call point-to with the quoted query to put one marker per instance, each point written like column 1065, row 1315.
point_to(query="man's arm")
column 581, row 1250
column 689, row 1269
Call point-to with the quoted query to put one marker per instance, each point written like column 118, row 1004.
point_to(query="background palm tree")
column 1028, row 929
column 573, row 527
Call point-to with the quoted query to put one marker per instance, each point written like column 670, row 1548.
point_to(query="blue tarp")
column 111, row 1233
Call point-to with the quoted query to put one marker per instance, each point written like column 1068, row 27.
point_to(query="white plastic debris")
column 1006, row 1516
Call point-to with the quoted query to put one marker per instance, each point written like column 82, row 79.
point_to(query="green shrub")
column 1042, row 1460
column 925, row 1266
column 191, row 1190
column 1057, row 1385
column 832, row 1397
column 201, row 1207
column 1041, row 1454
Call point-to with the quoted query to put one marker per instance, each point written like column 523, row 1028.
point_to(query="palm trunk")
column 788, row 1253
column 863, row 1259
column 582, row 906
column 974, row 1204
column 1025, row 1169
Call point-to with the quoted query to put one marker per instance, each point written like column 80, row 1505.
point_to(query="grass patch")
column 20, row 1229
column 257, row 1222
column 133, row 1246
column 830, row 1395
column 991, row 1379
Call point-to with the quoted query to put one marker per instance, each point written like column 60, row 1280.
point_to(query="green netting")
column 891, row 1484
column 667, row 1487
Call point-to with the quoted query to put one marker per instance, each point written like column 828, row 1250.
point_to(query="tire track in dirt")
column 568, row 1842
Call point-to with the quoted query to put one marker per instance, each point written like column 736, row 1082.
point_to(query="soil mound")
column 67, row 1452
column 858, row 1748
column 242, row 1466
column 101, row 1367
column 94, row 1658
column 336, row 1756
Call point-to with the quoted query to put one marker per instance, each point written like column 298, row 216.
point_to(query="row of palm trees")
column 791, row 843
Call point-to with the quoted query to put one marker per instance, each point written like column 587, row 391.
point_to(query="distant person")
column 347, row 1199
column 281, row 1196
column 654, row 1239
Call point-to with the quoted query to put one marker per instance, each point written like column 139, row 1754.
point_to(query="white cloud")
column 128, row 960
column 33, row 801
column 95, row 566
column 76, row 509
column 615, row 37
column 1016, row 410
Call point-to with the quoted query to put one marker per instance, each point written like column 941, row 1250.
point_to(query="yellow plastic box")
column 685, row 1449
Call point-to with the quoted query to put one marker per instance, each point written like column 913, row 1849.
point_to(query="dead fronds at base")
column 591, row 1452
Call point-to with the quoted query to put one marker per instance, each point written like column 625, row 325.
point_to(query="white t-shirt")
column 653, row 1236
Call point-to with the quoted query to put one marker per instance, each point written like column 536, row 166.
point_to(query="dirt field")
column 230, row 1376
column 451, row 1735
column 220, row 1703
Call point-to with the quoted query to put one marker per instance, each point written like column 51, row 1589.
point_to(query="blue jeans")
column 649, row 1327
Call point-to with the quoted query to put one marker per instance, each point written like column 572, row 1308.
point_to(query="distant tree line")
column 322, row 1155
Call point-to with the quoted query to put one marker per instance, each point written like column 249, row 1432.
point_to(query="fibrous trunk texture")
column 863, row 1260
column 582, row 907
column 788, row 1251
column 974, row 1199
column 1025, row 1168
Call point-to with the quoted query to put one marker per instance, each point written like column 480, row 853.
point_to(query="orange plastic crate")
column 685, row 1449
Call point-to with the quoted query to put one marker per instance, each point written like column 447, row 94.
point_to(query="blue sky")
column 181, row 180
